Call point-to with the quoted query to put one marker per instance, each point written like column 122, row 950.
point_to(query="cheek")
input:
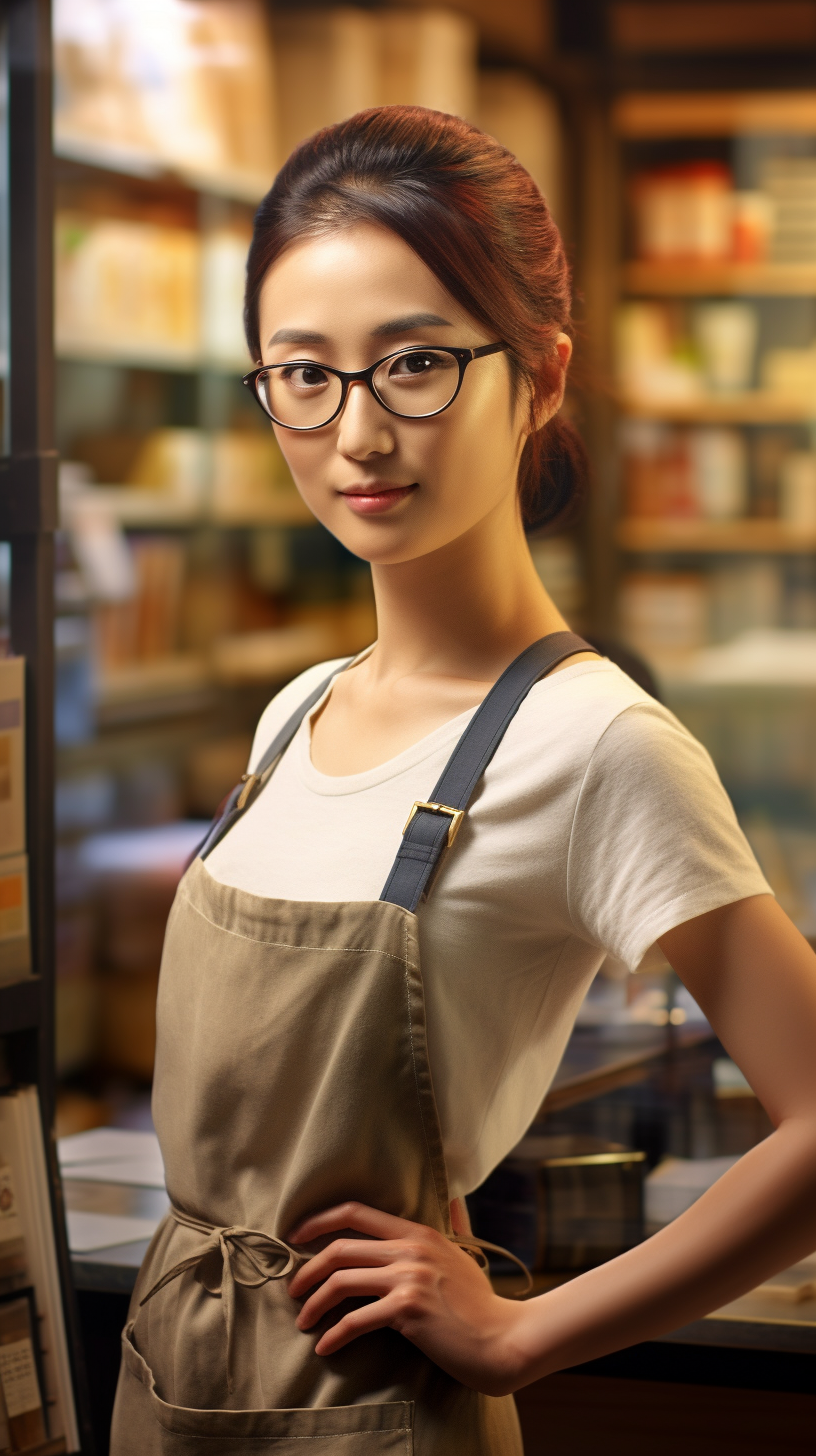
column 477, row 457
column 307, row 456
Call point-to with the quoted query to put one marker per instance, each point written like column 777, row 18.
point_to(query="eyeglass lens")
column 411, row 384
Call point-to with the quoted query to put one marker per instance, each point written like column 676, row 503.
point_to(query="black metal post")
column 28, row 519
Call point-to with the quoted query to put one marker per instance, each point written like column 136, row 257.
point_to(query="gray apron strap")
column 432, row 826
column 244, row 793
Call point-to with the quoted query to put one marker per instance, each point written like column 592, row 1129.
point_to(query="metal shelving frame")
column 28, row 520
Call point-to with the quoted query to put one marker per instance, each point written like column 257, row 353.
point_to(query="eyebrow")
column 394, row 327
column 408, row 322
column 297, row 336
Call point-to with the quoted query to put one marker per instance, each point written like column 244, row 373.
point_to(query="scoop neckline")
column 416, row 753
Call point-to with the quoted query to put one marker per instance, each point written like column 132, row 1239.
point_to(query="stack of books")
column 37, row 1413
column 15, row 944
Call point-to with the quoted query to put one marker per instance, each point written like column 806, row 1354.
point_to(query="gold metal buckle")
column 457, row 815
column 249, row 780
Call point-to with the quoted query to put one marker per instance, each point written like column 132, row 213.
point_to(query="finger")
column 357, row 1216
column 343, row 1254
column 346, row 1284
column 378, row 1316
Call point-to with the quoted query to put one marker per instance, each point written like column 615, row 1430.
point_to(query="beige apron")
column 291, row 1074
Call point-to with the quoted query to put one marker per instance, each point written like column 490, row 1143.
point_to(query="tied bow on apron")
column 248, row 1257
column 250, row 1247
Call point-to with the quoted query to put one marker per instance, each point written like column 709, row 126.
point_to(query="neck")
column 465, row 610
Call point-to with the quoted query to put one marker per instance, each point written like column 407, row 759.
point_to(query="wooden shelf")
column 20, row 1005
column 133, row 162
column 687, row 279
column 173, row 361
column 651, row 534
column 651, row 115
column 144, row 691
column 748, row 407
column 138, row 508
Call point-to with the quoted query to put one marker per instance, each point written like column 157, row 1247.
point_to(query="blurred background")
column 676, row 144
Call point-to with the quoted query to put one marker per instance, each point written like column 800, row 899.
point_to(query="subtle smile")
column 374, row 498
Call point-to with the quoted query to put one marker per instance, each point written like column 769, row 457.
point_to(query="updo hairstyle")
column 476, row 218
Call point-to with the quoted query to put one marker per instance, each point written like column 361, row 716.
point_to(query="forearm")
column 760, row 1217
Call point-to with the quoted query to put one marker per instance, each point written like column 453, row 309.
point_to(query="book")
column 327, row 69
column 428, row 58
column 26, row 1183
column 15, row 940
column 524, row 117
column 12, row 755
column 21, row 1382
column 333, row 63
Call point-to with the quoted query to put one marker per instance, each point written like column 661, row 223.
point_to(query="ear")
column 553, row 402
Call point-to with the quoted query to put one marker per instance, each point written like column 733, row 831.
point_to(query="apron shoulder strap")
column 243, row 793
column 432, row 826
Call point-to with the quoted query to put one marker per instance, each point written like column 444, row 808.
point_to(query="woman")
column 322, row 1105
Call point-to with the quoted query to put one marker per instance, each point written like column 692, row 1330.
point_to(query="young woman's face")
column 391, row 489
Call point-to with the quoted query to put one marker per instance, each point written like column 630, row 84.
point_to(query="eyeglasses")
column 412, row 383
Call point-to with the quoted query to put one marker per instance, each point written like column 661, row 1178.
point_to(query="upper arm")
column 754, row 976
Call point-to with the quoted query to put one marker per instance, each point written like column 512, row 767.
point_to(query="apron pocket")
column 146, row 1425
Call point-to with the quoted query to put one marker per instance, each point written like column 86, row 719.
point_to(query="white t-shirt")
column 599, row 824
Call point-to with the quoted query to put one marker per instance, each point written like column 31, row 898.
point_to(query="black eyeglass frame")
column 463, row 357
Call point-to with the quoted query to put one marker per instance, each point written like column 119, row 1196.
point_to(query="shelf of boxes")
column 716, row 401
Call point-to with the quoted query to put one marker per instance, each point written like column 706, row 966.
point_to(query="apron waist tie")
column 258, row 1250
column 238, row 1247
column 477, row 1248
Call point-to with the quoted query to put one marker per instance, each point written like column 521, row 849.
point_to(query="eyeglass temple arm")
column 487, row 349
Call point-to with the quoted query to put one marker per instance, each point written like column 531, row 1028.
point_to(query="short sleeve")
column 655, row 840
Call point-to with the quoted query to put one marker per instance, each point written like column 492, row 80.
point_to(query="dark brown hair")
column 476, row 218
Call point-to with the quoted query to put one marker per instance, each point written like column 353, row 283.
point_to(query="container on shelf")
column 726, row 336
column 797, row 489
column 664, row 614
column 684, row 211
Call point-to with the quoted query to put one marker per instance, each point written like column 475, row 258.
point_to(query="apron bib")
column 291, row 1074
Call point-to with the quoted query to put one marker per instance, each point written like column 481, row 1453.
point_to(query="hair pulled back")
column 476, row 218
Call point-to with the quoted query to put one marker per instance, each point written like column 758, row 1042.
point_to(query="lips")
column 375, row 497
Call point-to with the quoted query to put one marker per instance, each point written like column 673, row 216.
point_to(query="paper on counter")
column 89, row 1232
column 112, row 1155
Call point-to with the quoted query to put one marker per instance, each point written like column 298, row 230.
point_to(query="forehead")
column 351, row 279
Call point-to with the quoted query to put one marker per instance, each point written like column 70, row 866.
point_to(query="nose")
column 364, row 427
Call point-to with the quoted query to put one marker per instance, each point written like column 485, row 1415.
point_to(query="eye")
column 303, row 376
column 418, row 363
